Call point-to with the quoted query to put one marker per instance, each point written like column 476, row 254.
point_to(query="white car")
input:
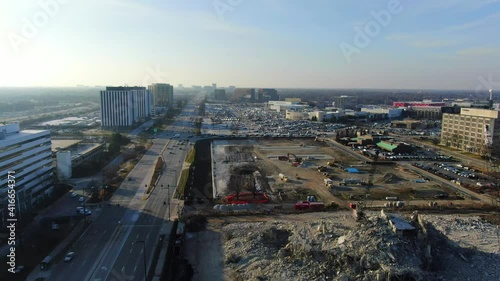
column 81, row 199
column 85, row 212
column 73, row 194
column 69, row 256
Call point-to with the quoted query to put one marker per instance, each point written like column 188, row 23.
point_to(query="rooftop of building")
column 124, row 88
column 63, row 144
column 480, row 112
column 76, row 147
column 11, row 132
column 83, row 148
column 386, row 145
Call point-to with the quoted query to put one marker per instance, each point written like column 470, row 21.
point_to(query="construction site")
column 309, row 210
column 287, row 171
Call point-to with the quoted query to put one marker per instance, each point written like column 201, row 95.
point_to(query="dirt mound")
column 391, row 178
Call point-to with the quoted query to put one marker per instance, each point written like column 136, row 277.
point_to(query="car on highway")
column 69, row 256
column 85, row 212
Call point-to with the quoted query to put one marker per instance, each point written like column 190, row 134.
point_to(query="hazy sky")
column 434, row 44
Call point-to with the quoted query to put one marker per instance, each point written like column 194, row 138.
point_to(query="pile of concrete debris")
column 391, row 178
column 381, row 247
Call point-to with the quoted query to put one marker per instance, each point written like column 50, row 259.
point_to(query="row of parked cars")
column 436, row 169
column 463, row 172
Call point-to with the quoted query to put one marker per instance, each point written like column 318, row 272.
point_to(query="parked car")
column 81, row 199
column 73, row 194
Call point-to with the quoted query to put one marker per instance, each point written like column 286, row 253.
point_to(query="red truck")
column 306, row 205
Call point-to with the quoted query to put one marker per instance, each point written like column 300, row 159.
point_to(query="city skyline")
column 264, row 44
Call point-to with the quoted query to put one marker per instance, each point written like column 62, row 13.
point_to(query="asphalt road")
column 106, row 251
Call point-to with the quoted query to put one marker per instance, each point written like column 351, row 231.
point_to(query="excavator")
column 295, row 158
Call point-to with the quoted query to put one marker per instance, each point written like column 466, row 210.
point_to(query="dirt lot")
column 386, row 181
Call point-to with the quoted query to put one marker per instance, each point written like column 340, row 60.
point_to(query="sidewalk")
column 168, row 232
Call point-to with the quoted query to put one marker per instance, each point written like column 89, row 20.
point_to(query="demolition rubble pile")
column 328, row 249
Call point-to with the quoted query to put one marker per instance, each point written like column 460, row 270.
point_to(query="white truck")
column 283, row 177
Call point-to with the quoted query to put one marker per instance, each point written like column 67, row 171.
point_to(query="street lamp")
column 144, row 252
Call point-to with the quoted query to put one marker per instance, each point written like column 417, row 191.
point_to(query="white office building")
column 27, row 156
column 124, row 106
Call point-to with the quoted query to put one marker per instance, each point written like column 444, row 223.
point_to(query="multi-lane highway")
column 106, row 251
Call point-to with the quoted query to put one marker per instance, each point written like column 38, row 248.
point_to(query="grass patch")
column 190, row 156
column 182, row 184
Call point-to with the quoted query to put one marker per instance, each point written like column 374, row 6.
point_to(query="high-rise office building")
column 244, row 94
column 220, row 94
column 124, row 106
column 473, row 130
column 268, row 95
column 26, row 155
column 163, row 95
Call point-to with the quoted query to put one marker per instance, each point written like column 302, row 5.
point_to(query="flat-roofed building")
column 220, row 94
column 474, row 130
column 425, row 112
column 124, row 106
column 389, row 112
column 26, row 155
column 162, row 94
column 72, row 153
column 245, row 94
column 345, row 102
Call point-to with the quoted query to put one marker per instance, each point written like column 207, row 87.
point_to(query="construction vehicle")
column 283, row 158
column 321, row 169
column 331, row 163
column 357, row 211
column 297, row 176
column 328, row 182
column 283, row 177
column 295, row 158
